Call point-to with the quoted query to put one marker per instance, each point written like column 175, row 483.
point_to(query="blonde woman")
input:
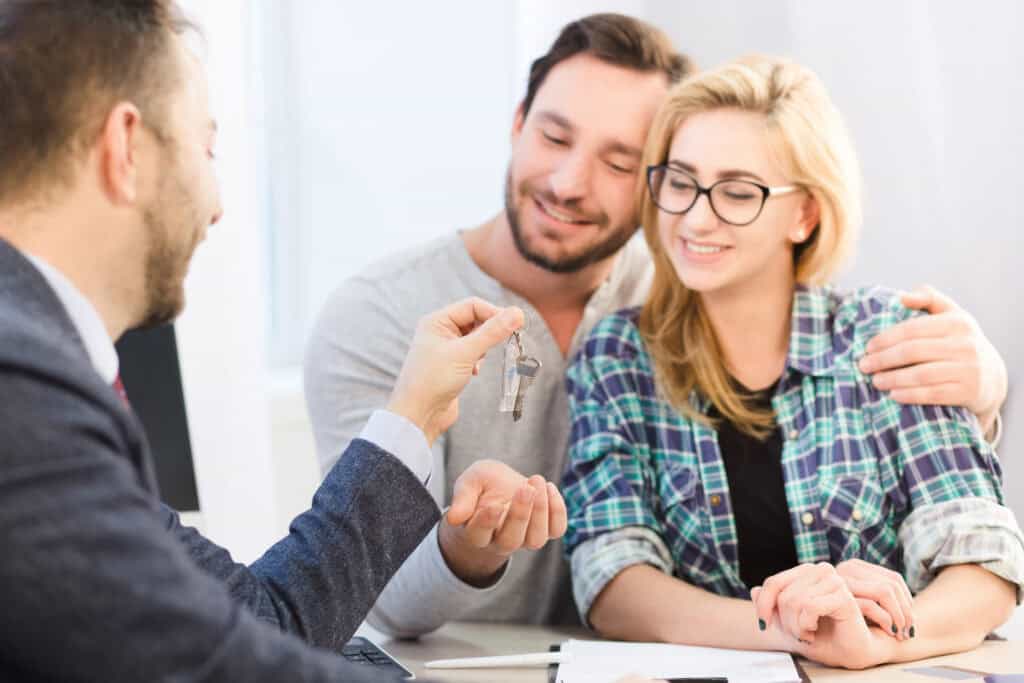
column 734, row 479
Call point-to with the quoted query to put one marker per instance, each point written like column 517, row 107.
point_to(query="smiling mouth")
column 703, row 248
column 558, row 215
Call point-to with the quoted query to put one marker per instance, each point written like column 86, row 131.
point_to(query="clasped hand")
column 851, row 615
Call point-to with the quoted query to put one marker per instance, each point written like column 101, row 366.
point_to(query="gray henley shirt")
column 351, row 364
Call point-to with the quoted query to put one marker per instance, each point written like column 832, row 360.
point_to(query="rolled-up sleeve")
column 950, row 479
column 597, row 561
column 962, row 531
column 609, row 483
column 943, row 477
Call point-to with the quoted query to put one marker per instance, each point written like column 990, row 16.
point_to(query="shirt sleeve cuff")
column 402, row 439
column 962, row 531
column 599, row 560
column 447, row 578
column 424, row 594
column 997, row 431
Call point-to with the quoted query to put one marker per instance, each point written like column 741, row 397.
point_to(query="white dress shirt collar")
column 84, row 317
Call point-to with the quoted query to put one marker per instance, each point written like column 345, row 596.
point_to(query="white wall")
column 387, row 125
column 221, row 334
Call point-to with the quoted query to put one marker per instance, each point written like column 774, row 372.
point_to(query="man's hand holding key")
column 443, row 358
column 495, row 510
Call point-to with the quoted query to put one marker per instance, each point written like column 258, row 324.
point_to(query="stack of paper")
column 606, row 662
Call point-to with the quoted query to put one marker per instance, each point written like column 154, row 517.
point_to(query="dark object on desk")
column 553, row 668
column 804, row 678
column 359, row 650
column 152, row 379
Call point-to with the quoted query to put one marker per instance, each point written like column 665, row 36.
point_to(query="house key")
column 526, row 368
column 519, row 373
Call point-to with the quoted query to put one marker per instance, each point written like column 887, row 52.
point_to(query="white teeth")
column 703, row 248
column 559, row 216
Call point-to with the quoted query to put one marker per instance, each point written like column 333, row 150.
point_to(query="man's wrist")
column 414, row 414
column 477, row 567
column 403, row 439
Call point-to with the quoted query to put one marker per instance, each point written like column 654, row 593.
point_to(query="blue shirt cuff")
column 402, row 439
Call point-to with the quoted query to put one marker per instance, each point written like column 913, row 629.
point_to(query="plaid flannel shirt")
column 911, row 488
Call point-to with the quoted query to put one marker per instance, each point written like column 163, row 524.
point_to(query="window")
column 386, row 124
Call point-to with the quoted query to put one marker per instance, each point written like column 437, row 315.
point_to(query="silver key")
column 526, row 368
column 510, row 379
column 518, row 372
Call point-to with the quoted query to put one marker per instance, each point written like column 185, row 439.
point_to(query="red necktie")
column 119, row 388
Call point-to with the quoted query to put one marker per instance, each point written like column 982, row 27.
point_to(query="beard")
column 172, row 215
column 615, row 239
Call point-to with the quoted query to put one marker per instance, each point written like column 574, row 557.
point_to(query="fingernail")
column 894, row 630
column 761, row 624
column 511, row 315
column 913, row 631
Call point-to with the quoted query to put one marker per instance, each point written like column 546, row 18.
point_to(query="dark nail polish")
column 761, row 624
column 894, row 631
column 912, row 631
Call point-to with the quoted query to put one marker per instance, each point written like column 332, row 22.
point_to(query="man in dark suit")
column 106, row 188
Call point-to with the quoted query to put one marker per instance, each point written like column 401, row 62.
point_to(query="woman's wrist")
column 779, row 640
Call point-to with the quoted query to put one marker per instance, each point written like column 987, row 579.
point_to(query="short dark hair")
column 63, row 65
column 615, row 39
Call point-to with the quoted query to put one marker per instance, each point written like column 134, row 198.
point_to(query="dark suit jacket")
column 100, row 582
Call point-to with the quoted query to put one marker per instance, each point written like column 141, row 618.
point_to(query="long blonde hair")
column 810, row 140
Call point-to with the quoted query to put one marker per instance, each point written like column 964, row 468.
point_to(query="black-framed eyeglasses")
column 736, row 202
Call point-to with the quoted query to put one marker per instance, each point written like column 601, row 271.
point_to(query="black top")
column 758, row 496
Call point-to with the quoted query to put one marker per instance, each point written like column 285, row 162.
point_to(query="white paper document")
column 592, row 661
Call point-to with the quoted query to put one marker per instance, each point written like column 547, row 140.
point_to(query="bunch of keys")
column 518, row 373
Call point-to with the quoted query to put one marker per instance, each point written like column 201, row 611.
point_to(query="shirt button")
column 857, row 515
column 793, row 433
column 716, row 500
column 807, row 519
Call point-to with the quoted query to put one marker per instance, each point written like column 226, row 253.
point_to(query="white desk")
column 480, row 640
